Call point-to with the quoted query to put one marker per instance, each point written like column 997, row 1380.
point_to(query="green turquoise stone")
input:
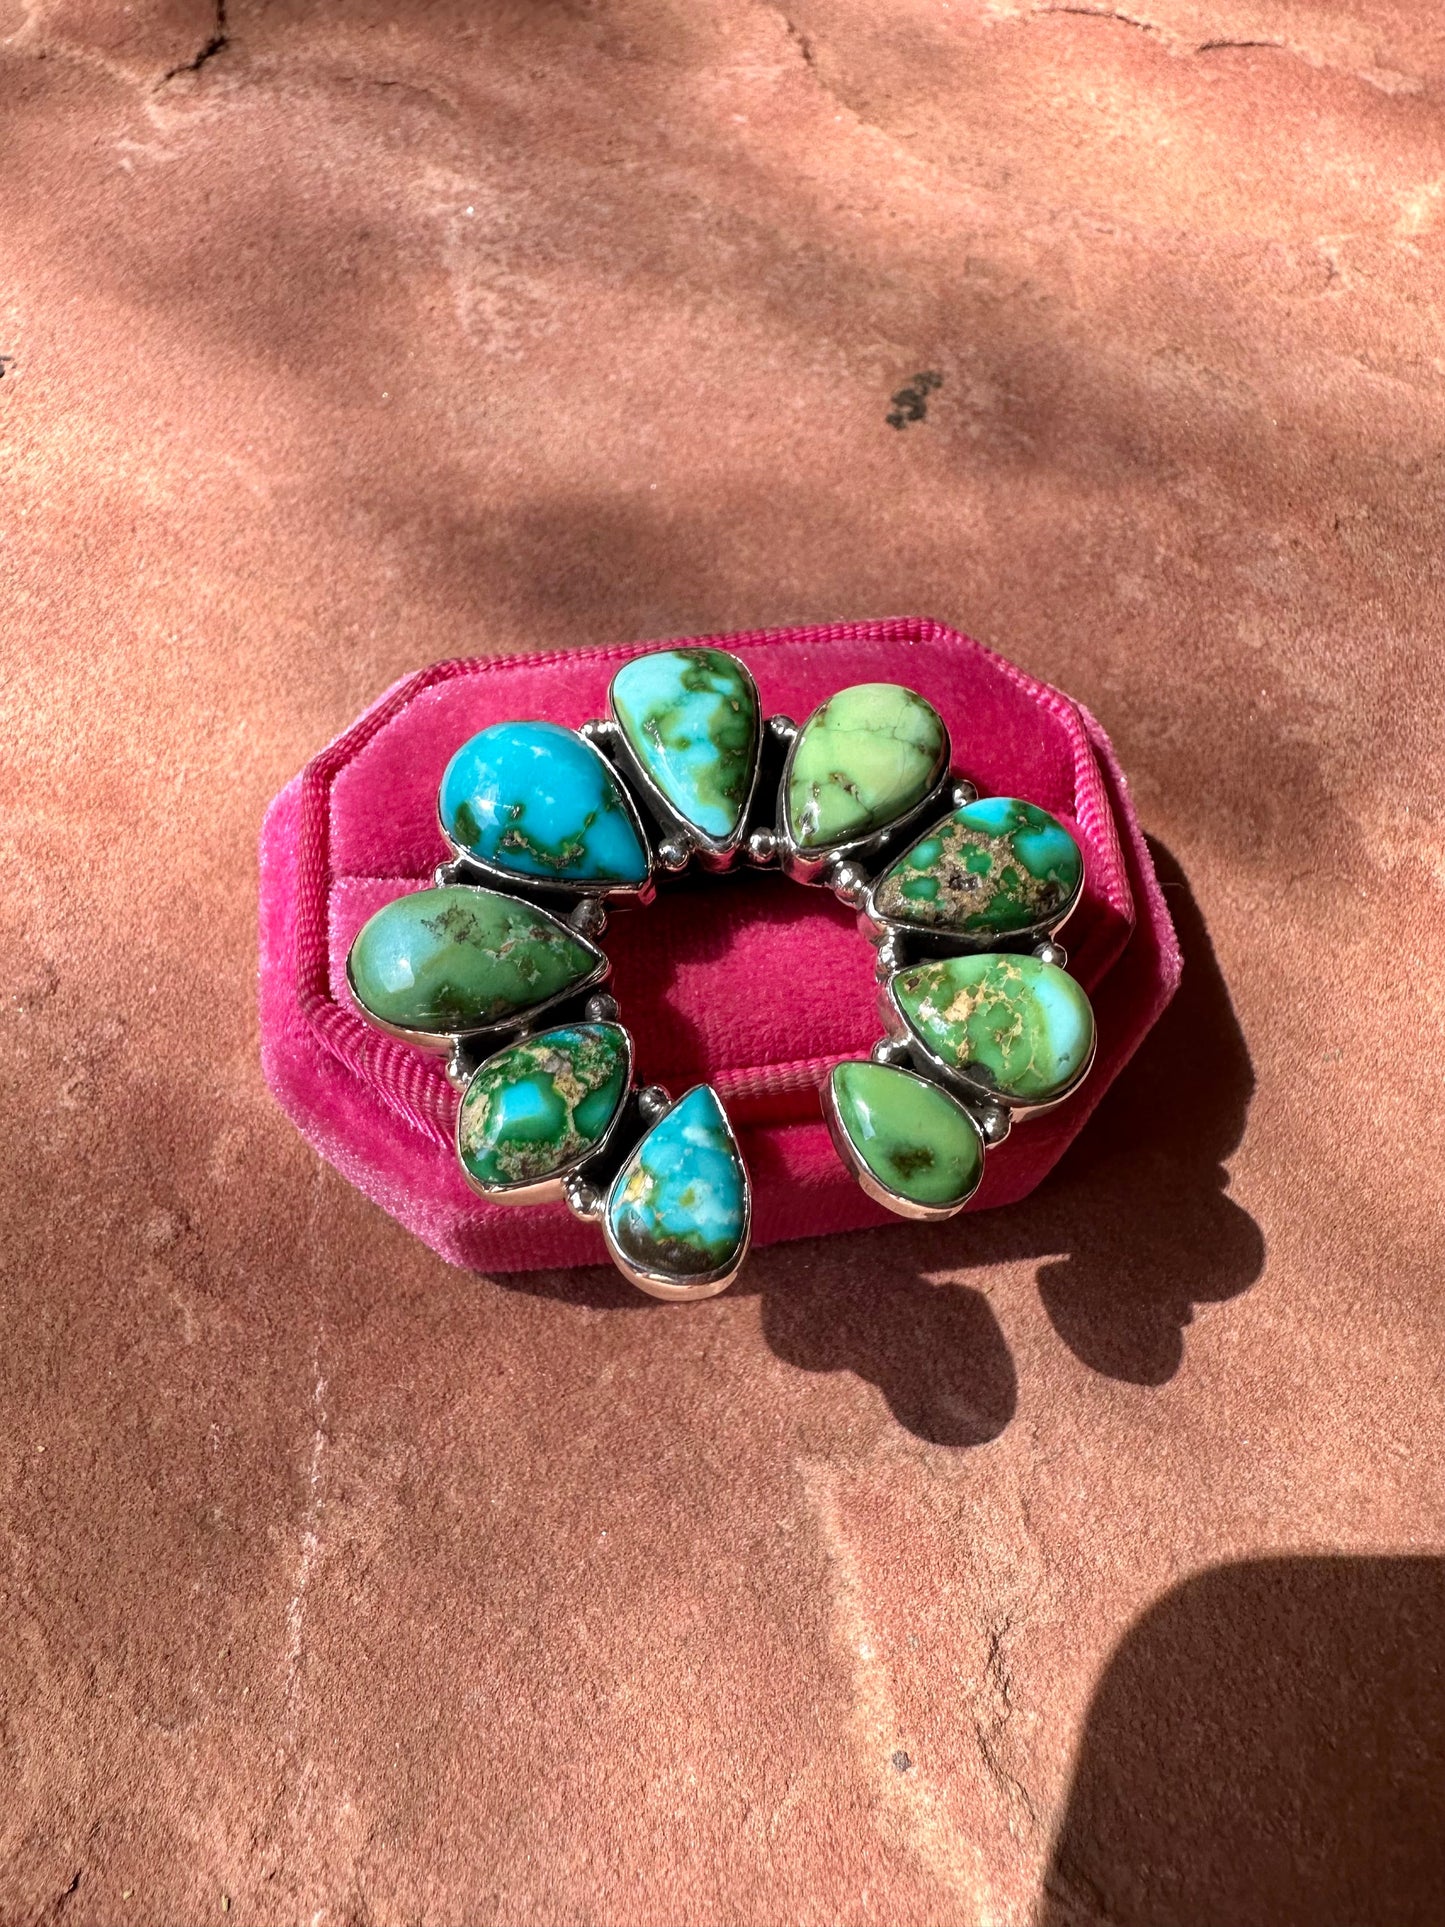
column 679, row 1204
column 1014, row 1025
column 863, row 758
column 992, row 869
column 690, row 717
column 460, row 959
column 916, row 1140
column 539, row 1106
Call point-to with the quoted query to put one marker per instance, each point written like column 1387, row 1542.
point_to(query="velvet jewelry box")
column 750, row 982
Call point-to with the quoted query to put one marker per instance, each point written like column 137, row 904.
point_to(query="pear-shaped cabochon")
column 995, row 868
column 538, row 1108
column 456, row 960
column 690, row 720
column 537, row 800
column 863, row 759
column 914, row 1139
column 678, row 1208
column 1014, row 1027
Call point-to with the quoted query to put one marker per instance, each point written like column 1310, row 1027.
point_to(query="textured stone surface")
column 864, row 757
column 459, row 959
column 910, row 1135
column 678, row 1206
column 691, row 719
column 1008, row 1024
column 537, row 801
column 1075, row 1563
column 539, row 1106
column 992, row 869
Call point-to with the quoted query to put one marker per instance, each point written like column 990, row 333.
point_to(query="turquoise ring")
column 498, row 962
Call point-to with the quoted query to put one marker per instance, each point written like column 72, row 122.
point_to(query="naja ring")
column 498, row 963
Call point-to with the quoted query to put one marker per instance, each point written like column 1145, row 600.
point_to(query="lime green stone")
column 917, row 1141
column 992, row 869
column 459, row 959
column 1014, row 1025
column 863, row 759
column 535, row 1109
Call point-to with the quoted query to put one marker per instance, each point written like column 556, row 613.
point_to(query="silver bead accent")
column 601, row 1009
column 599, row 731
column 1052, row 953
column 589, row 917
column 583, row 1200
column 848, row 881
column 890, row 1050
column 964, row 793
column 460, row 1066
column 994, row 1121
column 446, row 873
column 762, row 848
column 783, row 727
column 890, row 957
column 652, row 1101
column 674, row 852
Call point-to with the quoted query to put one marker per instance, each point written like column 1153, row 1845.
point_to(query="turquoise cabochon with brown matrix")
column 456, row 959
column 991, row 869
column 1014, row 1026
column 690, row 717
column 540, row 1106
column 863, row 759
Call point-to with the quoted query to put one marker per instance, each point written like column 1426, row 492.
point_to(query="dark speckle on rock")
column 902, row 1760
column 910, row 404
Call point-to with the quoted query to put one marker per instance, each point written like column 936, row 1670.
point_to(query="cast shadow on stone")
column 1136, row 1227
column 1133, row 1230
column 1266, row 1748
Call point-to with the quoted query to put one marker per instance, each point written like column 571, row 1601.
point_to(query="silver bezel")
column 868, row 1180
column 808, row 866
column 441, row 1042
column 519, row 883
column 952, row 1079
column 713, row 853
column 547, row 1190
column 932, row 938
column 661, row 1284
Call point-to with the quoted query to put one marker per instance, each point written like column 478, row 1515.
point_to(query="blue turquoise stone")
column 679, row 1204
column 690, row 717
column 535, row 799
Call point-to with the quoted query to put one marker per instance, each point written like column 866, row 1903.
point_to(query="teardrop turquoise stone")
column 690, row 717
column 538, row 800
column 917, row 1141
column 459, row 959
column 537, row 1107
column 679, row 1204
column 1013, row 1025
column 993, row 868
column 864, row 758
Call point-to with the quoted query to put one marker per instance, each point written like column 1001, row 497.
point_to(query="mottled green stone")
column 540, row 1105
column 690, row 717
column 916, row 1140
column 1014, row 1025
column 459, row 959
column 993, row 868
column 863, row 758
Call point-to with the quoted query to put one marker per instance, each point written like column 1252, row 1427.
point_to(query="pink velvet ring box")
column 752, row 983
